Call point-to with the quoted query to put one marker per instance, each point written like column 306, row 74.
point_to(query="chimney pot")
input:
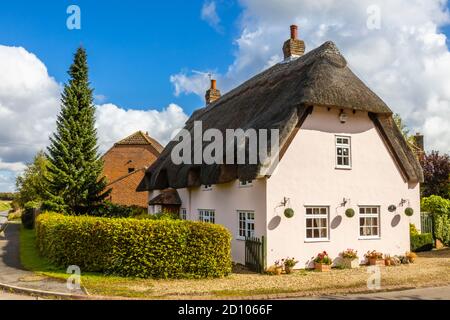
column 294, row 32
column 212, row 94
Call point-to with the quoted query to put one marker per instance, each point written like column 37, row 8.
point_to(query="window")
column 206, row 215
column 369, row 222
column 206, row 187
column 343, row 152
column 245, row 183
column 130, row 170
column 246, row 224
column 183, row 214
column 316, row 223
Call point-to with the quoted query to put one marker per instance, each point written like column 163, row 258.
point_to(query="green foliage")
column 5, row 205
column 31, row 184
column 442, row 229
column 7, row 196
column 112, row 210
column 436, row 205
column 413, row 230
column 421, row 242
column 135, row 248
column 32, row 205
column 409, row 211
column 74, row 183
column 350, row 213
column 288, row 213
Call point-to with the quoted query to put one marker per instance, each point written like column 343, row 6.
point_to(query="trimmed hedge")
column 137, row 248
column 421, row 242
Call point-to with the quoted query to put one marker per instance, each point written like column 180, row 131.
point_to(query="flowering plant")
column 290, row 262
column 279, row 263
column 373, row 255
column 323, row 258
column 350, row 254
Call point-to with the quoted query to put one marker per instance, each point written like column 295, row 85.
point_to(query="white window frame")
column 245, row 183
column 207, row 215
column 366, row 215
column 342, row 145
column 206, row 187
column 248, row 220
column 183, row 214
column 317, row 216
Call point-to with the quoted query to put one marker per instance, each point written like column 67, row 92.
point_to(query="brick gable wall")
column 117, row 162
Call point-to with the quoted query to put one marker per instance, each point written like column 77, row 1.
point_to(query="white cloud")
column 405, row 62
column 114, row 123
column 29, row 104
column 209, row 14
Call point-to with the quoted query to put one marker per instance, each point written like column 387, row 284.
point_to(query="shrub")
column 442, row 229
column 436, row 205
column 132, row 247
column 421, row 242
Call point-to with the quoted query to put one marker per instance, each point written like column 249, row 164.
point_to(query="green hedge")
column 132, row 247
column 421, row 242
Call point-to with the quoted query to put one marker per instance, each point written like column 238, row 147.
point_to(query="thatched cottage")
column 339, row 149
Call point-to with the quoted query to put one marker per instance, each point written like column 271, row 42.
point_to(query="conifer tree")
column 75, row 181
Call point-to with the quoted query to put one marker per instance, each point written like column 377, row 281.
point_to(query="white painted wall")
column 307, row 176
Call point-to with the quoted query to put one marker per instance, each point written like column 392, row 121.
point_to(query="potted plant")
column 323, row 262
column 278, row 267
column 289, row 264
column 350, row 259
column 387, row 260
column 375, row 258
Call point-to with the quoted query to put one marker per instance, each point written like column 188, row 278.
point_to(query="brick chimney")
column 419, row 145
column 212, row 94
column 293, row 48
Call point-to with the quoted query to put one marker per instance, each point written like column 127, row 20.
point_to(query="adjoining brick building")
column 125, row 165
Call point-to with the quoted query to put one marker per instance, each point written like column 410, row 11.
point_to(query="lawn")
column 430, row 269
column 5, row 205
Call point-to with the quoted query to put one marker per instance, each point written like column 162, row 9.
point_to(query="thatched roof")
column 167, row 197
column 280, row 98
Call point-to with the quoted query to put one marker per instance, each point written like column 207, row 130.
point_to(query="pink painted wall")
column 307, row 176
column 226, row 200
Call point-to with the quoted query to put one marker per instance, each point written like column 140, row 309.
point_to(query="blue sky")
column 133, row 46
column 142, row 55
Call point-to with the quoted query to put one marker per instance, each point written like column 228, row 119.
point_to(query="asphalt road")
column 438, row 293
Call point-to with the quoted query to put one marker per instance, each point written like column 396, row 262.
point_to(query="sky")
column 149, row 60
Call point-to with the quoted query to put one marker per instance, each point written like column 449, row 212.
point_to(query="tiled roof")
column 140, row 138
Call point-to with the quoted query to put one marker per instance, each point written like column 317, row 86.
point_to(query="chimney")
column 212, row 94
column 418, row 140
column 293, row 48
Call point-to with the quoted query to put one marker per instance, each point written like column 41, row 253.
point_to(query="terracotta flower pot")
column 376, row 262
column 322, row 267
column 387, row 262
column 288, row 269
column 278, row 270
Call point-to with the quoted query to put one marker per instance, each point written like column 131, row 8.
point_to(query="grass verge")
column 431, row 269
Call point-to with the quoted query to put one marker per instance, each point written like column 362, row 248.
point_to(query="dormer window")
column 206, row 187
column 245, row 183
column 343, row 152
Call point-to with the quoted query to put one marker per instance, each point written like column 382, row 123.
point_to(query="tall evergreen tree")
column 75, row 184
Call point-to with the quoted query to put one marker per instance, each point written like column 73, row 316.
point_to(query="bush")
column 442, row 229
column 132, row 247
column 112, row 210
column 436, row 205
column 422, row 242
column 28, row 218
